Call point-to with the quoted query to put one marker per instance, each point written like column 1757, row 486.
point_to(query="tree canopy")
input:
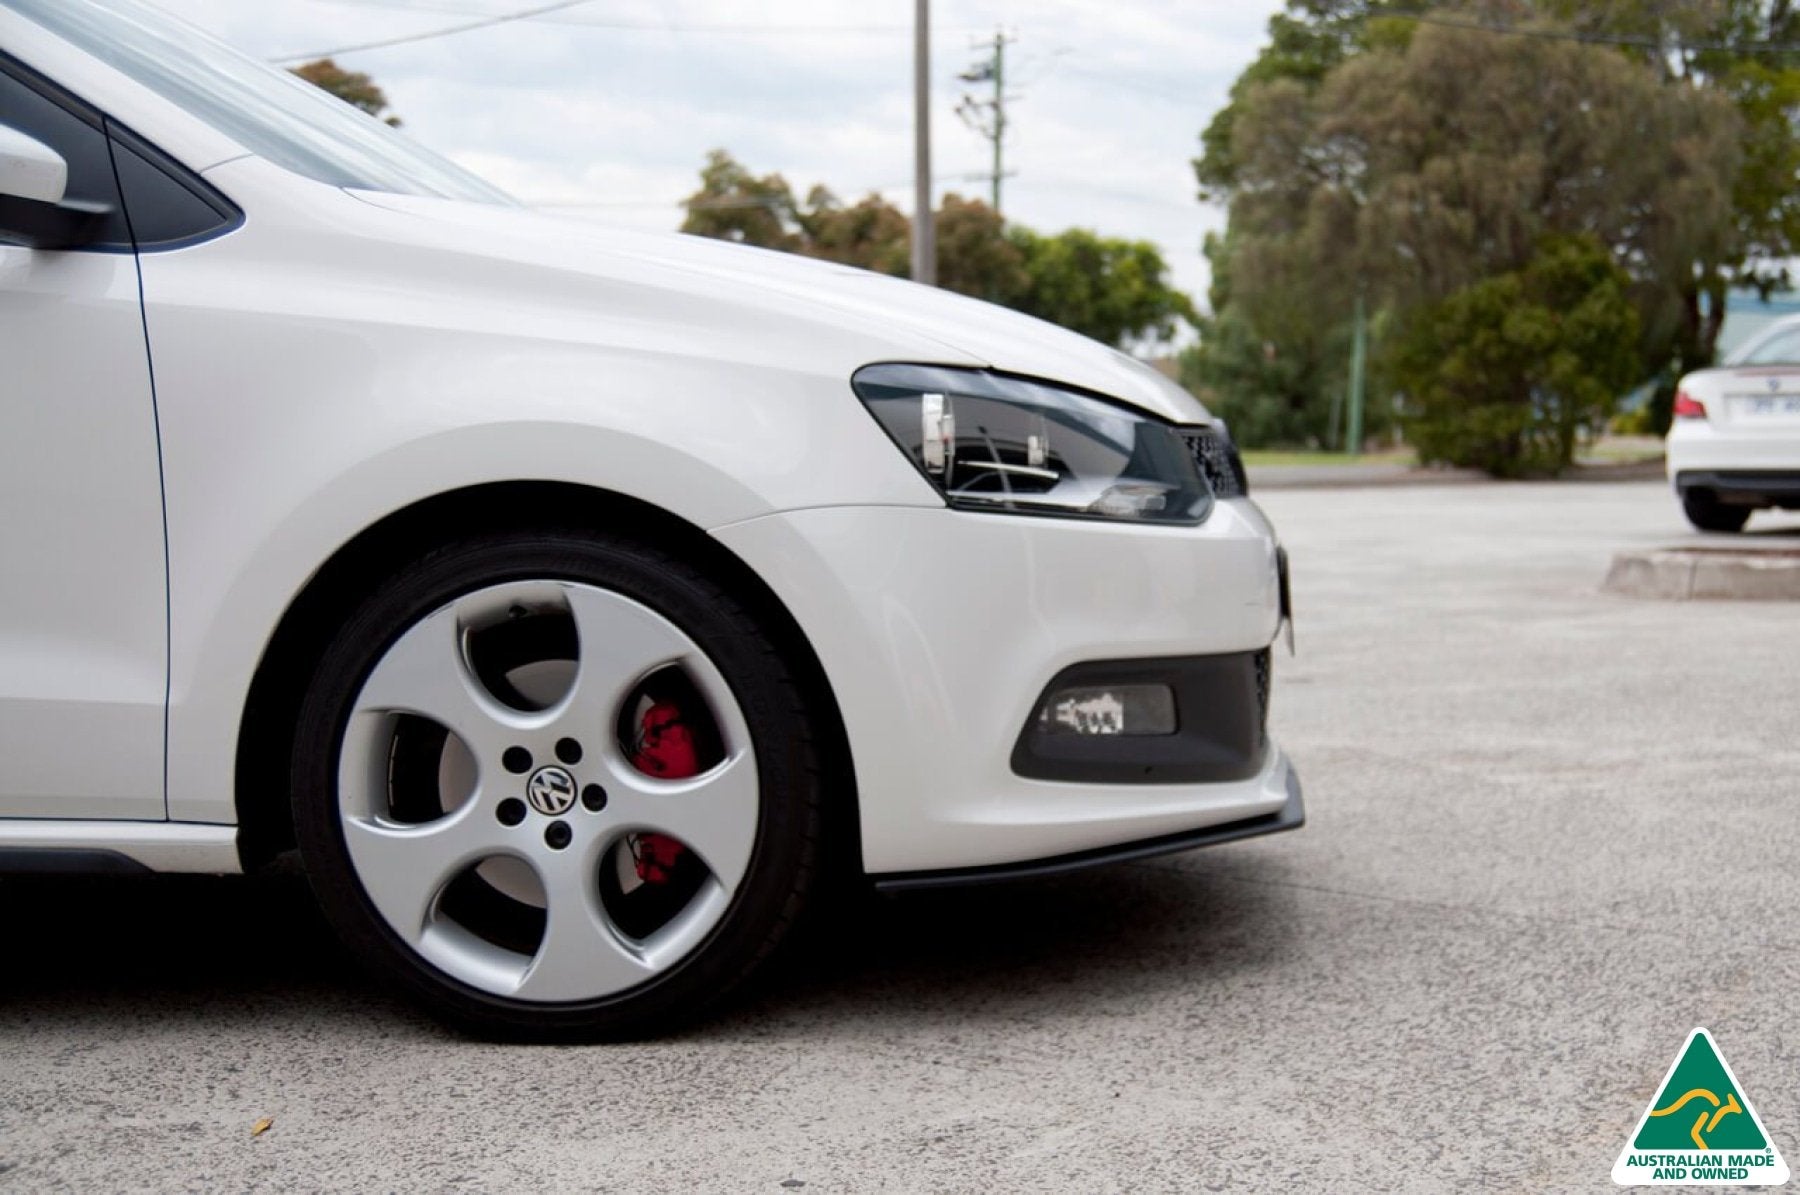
column 353, row 87
column 1507, row 372
column 1406, row 160
column 1112, row 289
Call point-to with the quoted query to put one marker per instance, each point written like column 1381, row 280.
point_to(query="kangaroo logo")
column 1709, row 1119
column 1700, row 1127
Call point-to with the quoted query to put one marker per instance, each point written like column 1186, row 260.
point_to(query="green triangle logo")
column 1700, row 1128
column 1698, row 1106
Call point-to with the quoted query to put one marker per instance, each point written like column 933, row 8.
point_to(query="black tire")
column 1707, row 513
column 783, row 860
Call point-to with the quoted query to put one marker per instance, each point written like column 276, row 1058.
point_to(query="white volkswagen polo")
column 573, row 600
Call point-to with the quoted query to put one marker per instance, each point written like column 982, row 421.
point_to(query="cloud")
column 614, row 104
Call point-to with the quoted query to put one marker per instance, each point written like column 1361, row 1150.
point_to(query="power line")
column 573, row 202
column 1425, row 17
column 1115, row 193
column 1039, row 67
column 721, row 28
column 488, row 22
column 1118, row 80
column 1422, row 16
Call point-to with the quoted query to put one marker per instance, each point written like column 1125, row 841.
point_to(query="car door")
column 83, row 579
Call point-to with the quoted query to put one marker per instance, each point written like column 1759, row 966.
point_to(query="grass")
column 1622, row 450
column 1610, row 450
column 1300, row 456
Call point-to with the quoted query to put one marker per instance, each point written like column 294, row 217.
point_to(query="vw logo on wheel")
column 551, row 791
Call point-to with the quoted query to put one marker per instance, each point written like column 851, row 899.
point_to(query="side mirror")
column 33, row 212
column 29, row 169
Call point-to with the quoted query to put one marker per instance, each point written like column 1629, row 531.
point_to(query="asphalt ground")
column 1550, row 832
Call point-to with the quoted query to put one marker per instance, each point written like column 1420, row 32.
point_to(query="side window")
column 168, row 206
column 81, row 143
column 1781, row 350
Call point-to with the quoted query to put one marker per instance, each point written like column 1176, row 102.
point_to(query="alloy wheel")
column 504, row 813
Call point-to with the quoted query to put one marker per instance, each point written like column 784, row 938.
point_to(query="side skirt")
column 114, row 848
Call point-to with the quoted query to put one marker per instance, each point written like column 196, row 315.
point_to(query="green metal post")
column 1359, row 363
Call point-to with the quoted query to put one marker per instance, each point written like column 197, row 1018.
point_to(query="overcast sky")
column 612, row 105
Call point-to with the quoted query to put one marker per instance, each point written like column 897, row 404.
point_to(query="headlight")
column 997, row 443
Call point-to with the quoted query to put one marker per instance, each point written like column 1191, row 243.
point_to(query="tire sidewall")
column 1707, row 513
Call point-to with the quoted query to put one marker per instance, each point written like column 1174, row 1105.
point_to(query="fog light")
column 1110, row 710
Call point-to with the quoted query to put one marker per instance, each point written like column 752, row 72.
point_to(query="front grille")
column 1219, row 461
column 1265, row 682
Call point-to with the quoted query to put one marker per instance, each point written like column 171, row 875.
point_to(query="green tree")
column 1113, row 290
column 733, row 204
column 353, row 87
column 1430, row 158
column 1507, row 373
column 1109, row 288
column 1273, row 393
column 975, row 256
column 1303, row 48
column 871, row 234
column 1709, row 52
column 1274, row 365
column 1717, row 46
column 1271, row 361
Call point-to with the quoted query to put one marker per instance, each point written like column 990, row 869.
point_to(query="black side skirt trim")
column 59, row 860
column 1290, row 816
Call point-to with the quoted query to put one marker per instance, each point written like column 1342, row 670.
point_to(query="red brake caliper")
column 664, row 749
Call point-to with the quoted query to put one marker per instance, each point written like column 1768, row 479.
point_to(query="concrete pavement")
column 1551, row 831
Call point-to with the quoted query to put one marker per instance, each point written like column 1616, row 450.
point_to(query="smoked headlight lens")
column 993, row 442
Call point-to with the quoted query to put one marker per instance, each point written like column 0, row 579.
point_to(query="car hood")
column 971, row 331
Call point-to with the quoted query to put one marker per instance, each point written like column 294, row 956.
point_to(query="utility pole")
column 988, row 117
column 924, row 238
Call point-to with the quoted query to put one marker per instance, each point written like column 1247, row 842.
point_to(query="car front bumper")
column 1291, row 816
column 939, row 631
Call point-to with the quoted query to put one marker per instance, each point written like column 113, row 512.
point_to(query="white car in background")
column 573, row 600
column 1734, row 446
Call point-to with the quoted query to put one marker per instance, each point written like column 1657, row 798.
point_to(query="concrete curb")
column 1696, row 574
column 1348, row 477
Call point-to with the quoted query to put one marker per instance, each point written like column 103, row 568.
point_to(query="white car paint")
column 342, row 355
column 31, row 169
column 941, row 628
column 83, row 636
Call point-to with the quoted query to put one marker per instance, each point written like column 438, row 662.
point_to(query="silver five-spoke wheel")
column 547, row 792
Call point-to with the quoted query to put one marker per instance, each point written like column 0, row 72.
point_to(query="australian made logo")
column 1700, row 1129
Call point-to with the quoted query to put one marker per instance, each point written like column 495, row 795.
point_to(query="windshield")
column 268, row 111
column 1779, row 345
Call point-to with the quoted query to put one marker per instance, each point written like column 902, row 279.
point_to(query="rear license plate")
column 1767, row 406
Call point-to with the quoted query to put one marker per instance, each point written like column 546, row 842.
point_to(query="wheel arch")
column 267, row 724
